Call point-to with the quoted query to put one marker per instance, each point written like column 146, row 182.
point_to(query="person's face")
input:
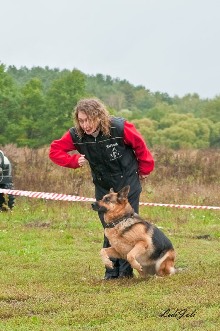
column 87, row 124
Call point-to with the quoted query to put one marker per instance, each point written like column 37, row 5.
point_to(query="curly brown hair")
column 95, row 110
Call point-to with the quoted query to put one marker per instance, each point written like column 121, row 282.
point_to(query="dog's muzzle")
column 95, row 206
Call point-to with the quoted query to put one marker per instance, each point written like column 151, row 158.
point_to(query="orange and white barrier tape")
column 44, row 195
column 68, row 197
column 178, row 206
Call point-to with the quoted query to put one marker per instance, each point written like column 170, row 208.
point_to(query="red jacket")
column 59, row 150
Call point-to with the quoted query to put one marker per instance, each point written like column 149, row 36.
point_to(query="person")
column 117, row 155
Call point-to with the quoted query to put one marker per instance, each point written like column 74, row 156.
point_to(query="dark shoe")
column 110, row 277
column 126, row 275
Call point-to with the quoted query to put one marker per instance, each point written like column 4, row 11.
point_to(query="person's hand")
column 82, row 160
column 142, row 177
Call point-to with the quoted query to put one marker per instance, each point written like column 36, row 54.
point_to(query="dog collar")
column 123, row 219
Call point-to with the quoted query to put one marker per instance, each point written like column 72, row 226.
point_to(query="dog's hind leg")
column 165, row 266
column 106, row 253
column 139, row 249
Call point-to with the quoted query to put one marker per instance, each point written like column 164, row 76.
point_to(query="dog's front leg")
column 106, row 253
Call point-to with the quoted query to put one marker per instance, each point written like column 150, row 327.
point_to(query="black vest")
column 110, row 159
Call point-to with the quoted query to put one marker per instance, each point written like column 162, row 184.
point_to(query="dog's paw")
column 140, row 270
column 109, row 265
column 158, row 277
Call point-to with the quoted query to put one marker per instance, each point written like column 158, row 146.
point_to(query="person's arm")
column 134, row 139
column 59, row 149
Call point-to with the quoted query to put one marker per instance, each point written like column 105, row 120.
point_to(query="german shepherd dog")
column 143, row 245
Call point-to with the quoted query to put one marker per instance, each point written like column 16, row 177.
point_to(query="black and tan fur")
column 142, row 244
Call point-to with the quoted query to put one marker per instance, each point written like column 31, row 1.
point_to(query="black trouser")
column 121, row 267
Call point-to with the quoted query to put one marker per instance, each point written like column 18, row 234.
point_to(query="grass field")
column 51, row 272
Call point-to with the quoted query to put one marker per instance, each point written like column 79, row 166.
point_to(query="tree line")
column 36, row 107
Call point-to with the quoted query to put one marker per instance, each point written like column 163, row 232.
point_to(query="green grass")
column 51, row 272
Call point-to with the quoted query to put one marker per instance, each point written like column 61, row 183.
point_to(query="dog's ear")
column 111, row 190
column 123, row 193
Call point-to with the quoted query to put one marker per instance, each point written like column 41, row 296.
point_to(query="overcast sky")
column 171, row 46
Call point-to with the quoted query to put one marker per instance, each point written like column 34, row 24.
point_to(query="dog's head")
column 114, row 205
